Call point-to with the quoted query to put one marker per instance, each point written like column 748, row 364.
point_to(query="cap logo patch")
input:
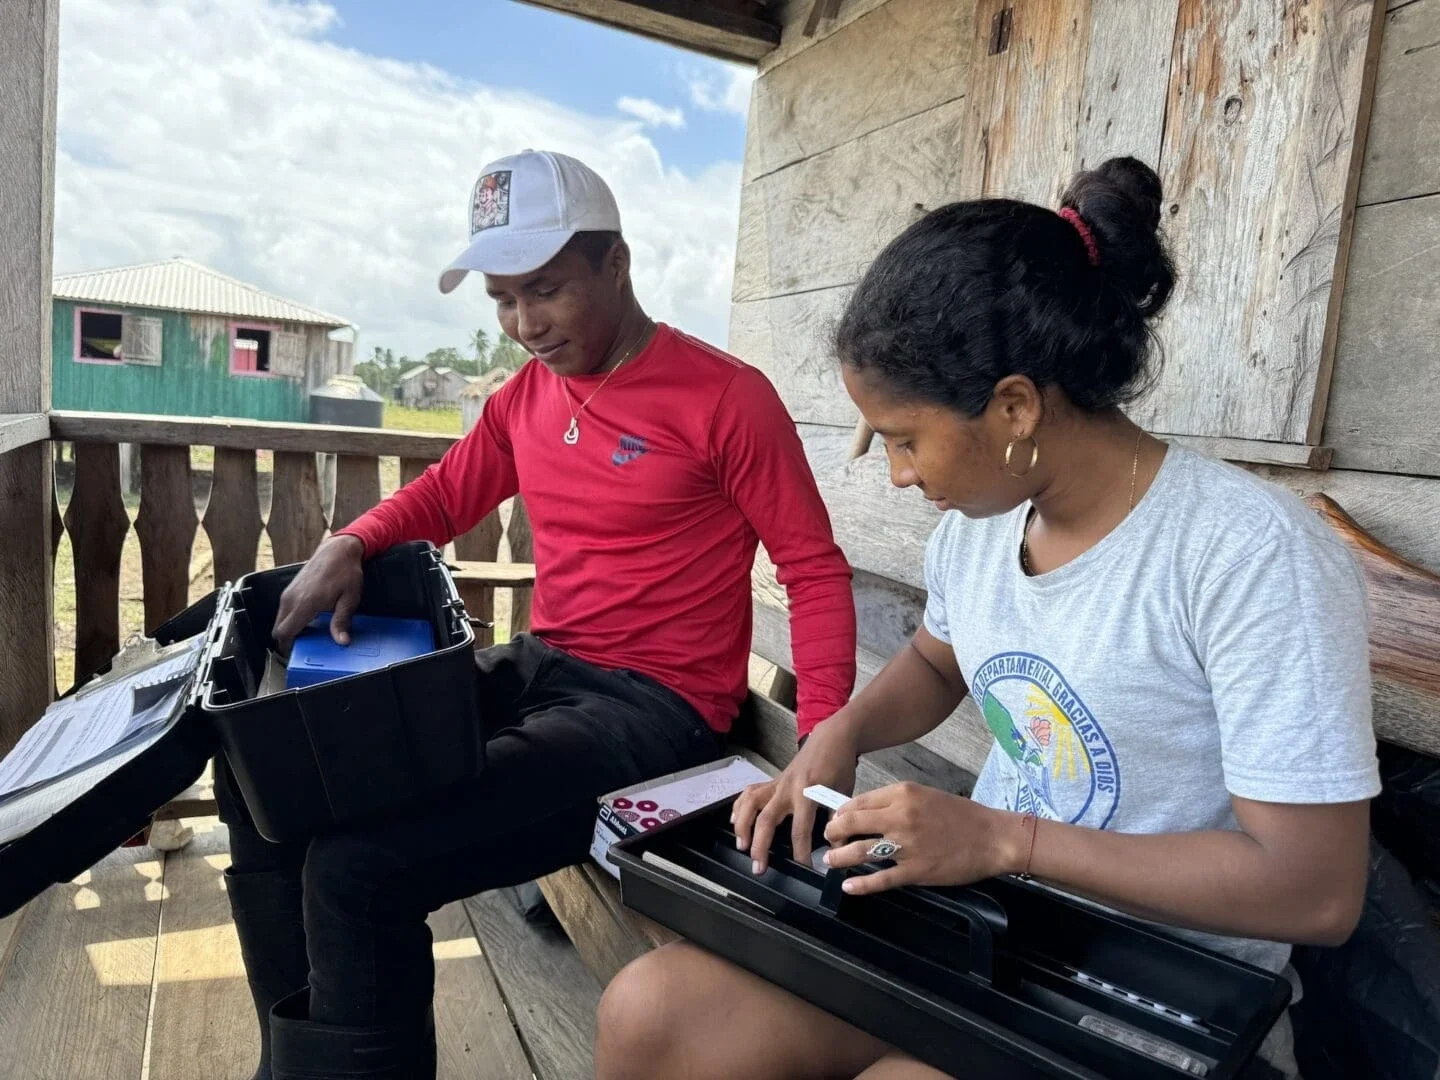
column 490, row 207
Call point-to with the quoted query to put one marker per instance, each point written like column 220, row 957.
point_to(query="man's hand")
column 331, row 581
column 828, row 757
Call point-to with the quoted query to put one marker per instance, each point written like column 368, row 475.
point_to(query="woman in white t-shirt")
column 1170, row 653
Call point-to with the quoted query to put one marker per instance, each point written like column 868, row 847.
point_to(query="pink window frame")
column 76, row 357
column 271, row 328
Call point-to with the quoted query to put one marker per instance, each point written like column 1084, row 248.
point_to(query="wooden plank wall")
column 1250, row 115
column 854, row 131
column 28, row 56
column 1385, row 400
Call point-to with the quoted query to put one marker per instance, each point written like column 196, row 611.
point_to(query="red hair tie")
column 1074, row 218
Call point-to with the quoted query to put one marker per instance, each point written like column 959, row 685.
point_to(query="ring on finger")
column 883, row 849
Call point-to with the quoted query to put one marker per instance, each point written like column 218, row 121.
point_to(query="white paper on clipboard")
column 99, row 722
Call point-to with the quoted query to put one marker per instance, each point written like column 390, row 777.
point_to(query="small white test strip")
column 826, row 797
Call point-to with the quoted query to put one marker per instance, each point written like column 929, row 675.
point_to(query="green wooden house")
column 179, row 338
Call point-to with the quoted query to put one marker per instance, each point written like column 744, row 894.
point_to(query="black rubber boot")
column 269, row 919
column 304, row 1050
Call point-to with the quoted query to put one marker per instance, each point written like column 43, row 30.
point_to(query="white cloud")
column 728, row 93
column 237, row 135
column 651, row 113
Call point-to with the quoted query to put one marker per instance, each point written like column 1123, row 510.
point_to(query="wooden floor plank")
column 552, row 997
column 203, row 1022
column 9, row 938
column 76, row 996
column 475, row 1036
column 77, row 967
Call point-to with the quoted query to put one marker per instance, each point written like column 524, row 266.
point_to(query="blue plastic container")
column 376, row 641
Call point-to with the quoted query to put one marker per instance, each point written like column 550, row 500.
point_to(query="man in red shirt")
column 651, row 465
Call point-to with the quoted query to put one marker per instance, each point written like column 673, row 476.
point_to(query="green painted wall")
column 193, row 378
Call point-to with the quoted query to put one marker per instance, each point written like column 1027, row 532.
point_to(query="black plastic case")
column 305, row 760
column 992, row 980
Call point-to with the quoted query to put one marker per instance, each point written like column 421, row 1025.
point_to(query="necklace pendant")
column 572, row 434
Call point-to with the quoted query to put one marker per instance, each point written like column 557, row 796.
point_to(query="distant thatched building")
column 427, row 387
column 472, row 398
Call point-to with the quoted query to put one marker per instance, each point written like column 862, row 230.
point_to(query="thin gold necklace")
column 1030, row 518
column 572, row 433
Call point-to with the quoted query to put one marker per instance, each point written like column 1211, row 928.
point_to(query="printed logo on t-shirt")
column 1065, row 767
column 631, row 447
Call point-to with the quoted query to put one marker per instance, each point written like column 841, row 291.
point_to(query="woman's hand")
column 828, row 757
column 944, row 839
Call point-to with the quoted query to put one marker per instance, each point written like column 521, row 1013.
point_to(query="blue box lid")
column 376, row 641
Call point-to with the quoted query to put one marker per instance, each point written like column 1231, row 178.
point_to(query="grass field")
column 440, row 421
column 202, row 459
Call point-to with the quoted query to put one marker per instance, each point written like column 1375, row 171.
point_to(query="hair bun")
column 1120, row 201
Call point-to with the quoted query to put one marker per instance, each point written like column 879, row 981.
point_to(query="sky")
column 326, row 151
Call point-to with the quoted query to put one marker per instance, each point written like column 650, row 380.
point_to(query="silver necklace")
column 572, row 433
column 1030, row 515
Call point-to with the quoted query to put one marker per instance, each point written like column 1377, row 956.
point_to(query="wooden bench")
column 1405, row 665
column 496, row 575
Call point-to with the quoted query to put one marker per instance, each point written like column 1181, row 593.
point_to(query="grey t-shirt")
column 1213, row 644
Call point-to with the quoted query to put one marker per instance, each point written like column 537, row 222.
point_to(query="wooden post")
column 29, row 57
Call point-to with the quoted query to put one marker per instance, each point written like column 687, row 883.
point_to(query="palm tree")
column 508, row 353
column 480, row 343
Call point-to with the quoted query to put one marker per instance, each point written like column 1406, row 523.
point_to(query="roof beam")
column 690, row 24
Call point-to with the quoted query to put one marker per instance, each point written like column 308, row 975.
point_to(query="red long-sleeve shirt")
column 645, row 530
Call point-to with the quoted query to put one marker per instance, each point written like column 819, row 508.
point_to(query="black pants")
column 560, row 733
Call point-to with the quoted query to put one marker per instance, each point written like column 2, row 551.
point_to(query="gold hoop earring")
column 1034, row 455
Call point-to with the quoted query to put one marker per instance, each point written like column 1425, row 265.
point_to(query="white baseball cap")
column 525, row 208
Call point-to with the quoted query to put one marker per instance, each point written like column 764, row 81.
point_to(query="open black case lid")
column 304, row 759
column 116, row 794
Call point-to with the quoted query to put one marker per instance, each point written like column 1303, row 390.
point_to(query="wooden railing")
column 97, row 521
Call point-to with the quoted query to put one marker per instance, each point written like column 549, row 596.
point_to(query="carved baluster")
column 97, row 523
column 521, row 550
column 411, row 468
column 357, row 487
column 297, row 522
column 480, row 544
column 232, row 516
column 166, row 526
column 57, row 533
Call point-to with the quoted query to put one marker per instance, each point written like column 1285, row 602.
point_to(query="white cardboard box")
column 641, row 807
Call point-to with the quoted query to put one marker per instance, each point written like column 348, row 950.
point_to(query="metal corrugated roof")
column 182, row 285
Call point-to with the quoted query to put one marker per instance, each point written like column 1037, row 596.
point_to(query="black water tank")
column 346, row 401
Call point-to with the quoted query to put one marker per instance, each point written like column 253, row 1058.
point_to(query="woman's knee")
column 644, row 1011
